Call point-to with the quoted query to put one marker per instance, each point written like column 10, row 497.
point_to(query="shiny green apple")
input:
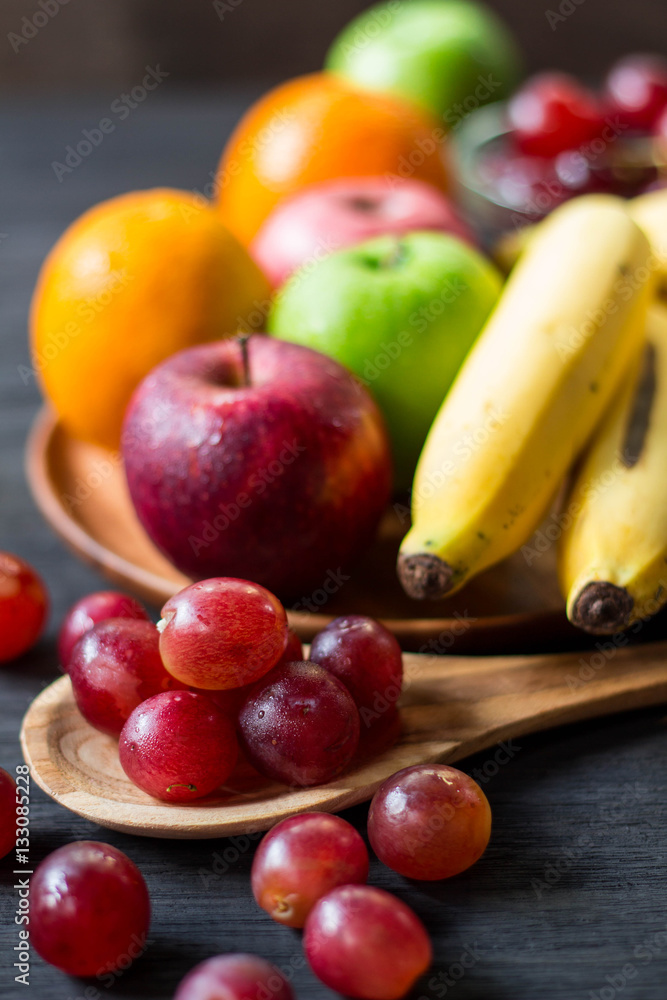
column 450, row 56
column 401, row 312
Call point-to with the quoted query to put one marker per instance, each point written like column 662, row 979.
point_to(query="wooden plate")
column 513, row 607
column 451, row 707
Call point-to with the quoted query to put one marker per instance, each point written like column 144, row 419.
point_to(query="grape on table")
column 301, row 859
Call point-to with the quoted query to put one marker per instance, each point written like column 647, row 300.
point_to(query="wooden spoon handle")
column 468, row 704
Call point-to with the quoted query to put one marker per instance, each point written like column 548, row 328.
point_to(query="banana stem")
column 424, row 576
column 601, row 608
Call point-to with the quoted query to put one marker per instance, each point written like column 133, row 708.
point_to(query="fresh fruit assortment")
column 564, row 139
column 396, row 356
column 401, row 312
column 298, row 723
column 316, row 128
column 223, row 664
column 567, row 328
column 270, row 462
column 108, row 307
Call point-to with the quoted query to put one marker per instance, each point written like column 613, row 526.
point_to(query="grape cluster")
column 565, row 139
column 223, row 667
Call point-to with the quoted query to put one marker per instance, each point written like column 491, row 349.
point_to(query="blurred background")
column 102, row 45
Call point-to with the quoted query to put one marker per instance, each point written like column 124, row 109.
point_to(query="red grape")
column 299, row 725
column 113, row 668
column 90, row 610
column 178, row 746
column 222, row 633
column 429, row 822
column 303, row 858
column 23, row 607
column 7, row 813
column 231, row 700
column 636, row 90
column 379, row 737
column 89, row 909
column 293, row 650
column 574, row 172
column 661, row 127
column 234, row 977
column 552, row 112
column 366, row 657
column 363, row 942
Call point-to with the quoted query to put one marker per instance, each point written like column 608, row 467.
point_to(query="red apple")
column 344, row 212
column 277, row 471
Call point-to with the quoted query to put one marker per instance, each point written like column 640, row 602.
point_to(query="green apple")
column 450, row 56
column 401, row 312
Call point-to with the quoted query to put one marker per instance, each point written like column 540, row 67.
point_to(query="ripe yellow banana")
column 649, row 212
column 567, row 326
column 612, row 557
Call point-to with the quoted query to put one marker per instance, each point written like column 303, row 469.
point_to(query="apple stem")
column 243, row 343
column 396, row 255
column 361, row 204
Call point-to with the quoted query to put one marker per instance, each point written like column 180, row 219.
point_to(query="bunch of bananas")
column 566, row 383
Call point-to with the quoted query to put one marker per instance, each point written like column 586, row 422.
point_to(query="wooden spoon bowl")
column 451, row 707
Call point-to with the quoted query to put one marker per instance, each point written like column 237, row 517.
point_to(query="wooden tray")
column 81, row 491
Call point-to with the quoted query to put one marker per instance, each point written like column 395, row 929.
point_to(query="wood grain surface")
column 572, row 889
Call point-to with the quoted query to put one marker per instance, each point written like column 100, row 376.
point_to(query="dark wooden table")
column 570, row 900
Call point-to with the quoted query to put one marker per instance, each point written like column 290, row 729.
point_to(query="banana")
column 567, row 326
column 612, row 556
column 649, row 212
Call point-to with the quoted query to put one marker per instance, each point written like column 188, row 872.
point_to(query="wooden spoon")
column 451, row 707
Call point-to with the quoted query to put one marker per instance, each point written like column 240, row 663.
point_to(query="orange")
column 315, row 128
column 132, row 281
